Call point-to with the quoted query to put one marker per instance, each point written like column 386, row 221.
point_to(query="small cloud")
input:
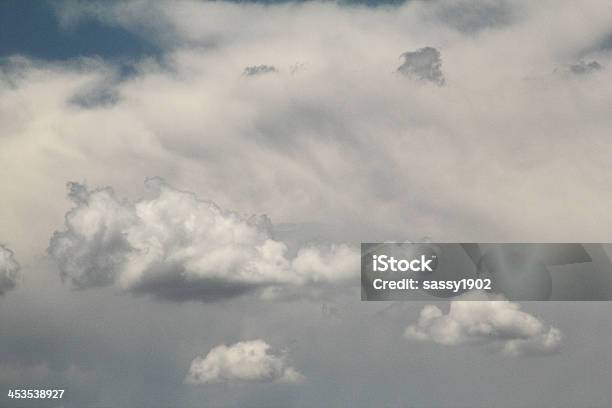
column 424, row 64
column 583, row 67
column 9, row 270
column 246, row 361
column 486, row 321
column 95, row 98
column 258, row 70
column 297, row 67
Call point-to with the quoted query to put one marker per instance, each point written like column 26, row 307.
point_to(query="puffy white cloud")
column 175, row 246
column 9, row 270
column 242, row 361
column 486, row 321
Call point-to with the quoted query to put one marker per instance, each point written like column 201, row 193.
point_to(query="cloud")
column 484, row 322
column 605, row 43
column 471, row 16
column 343, row 140
column 9, row 270
column 177, row 247
column 424, row 64
column 583, row 67
column 258, row 70
column 250, row 361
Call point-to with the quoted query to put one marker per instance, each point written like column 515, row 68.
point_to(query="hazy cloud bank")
column 341, row 136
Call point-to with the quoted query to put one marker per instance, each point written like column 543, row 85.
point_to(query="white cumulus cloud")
column 486, row 321
column 175, row 246
column 242, row 361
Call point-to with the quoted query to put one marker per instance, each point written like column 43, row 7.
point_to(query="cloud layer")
column 175, row 246
column 250, row 361
column 336, row 133
column 483, row 322
column 9, row 270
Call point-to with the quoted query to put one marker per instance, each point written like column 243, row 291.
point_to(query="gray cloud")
column 96, row 98
column 606, row 43
column 178, row 247
column 258, row 70
column 492, row 320
column 424, row 64
column 583, row 67
column 470, row 16
column 9, row 270
column 250, row 361
column 91, row 251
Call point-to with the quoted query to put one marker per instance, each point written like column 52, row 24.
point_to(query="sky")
column 186, row 184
